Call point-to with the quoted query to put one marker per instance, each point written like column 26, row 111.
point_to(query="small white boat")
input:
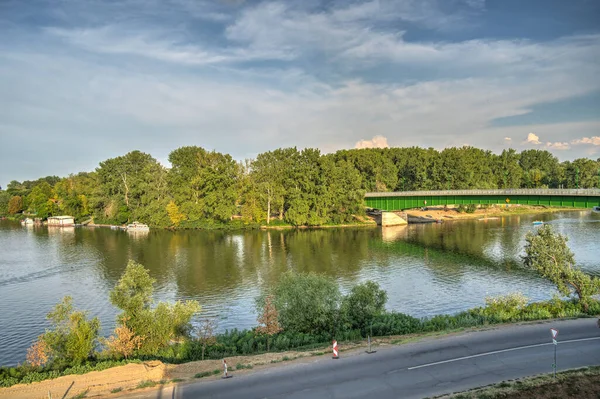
column 26, row 222
column 537, row 222
column 596, row 209
column 137, row 226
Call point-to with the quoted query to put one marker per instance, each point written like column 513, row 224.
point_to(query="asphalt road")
column 417, row 370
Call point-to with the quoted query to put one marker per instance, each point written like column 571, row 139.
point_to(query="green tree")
column 72, row 338
column 508, row 171
column 362, row 304
column 540, row 169
column 203, row 183
column 4, row 200
column 307, row 303
column 547, row 252
column 40, row 200
column 271, row 172
column 132, row 187
column 157, row 326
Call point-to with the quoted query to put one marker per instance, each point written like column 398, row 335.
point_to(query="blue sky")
column 85, row 80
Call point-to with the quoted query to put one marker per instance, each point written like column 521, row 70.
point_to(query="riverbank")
column 147, row 376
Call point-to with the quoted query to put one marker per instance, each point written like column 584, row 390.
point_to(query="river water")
column 426, row 269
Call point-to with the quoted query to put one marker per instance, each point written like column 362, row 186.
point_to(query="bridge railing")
column 520, row 191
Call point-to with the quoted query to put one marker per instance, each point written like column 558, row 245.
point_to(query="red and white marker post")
column 554, row 332
column 225, row 375
column 335, row 350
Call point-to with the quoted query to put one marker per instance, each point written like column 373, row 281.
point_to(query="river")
column 426, row 269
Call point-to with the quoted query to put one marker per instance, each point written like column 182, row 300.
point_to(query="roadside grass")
column 580, row 383
column 146, row 384
column 81, row 395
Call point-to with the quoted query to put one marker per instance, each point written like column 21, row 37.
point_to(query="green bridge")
column 399, row 201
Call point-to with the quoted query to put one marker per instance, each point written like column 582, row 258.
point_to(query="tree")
column 38, row 354
column 15, row 205
column 159, row 325
column 131, row 187
column 206, row 334
column 204, row 183
column 362, row 304
column 547, row 253
column 306, row 303
column 39, row 200
column 269, row 320
column 4, row 200
column 175, row 215
column 124, row 342
column 73, row 337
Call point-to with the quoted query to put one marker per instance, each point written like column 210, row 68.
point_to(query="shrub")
column 307, row 303
column 362, row 305
column 505, row 308
column 124, row 342
column 158, row 326
column 471, row 208
column 73, row 337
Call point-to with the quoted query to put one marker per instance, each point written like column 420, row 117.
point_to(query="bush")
column 471, row 208
column 73, row 337
column 505, row 308
column 461, row 208
column 362, row 305
column 307, row 303
column 155, row 327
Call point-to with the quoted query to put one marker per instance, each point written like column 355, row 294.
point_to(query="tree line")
column 297, row 187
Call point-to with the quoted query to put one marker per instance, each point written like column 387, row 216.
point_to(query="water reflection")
column 426, row 269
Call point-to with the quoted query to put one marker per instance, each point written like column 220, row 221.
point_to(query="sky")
column 82, row 81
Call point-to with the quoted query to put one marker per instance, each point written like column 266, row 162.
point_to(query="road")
column 416, row 370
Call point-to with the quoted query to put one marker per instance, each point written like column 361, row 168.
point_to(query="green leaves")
column 306, row 303
column 363, row 303
column 133, row 294
column 73, row 337
column 547, row 253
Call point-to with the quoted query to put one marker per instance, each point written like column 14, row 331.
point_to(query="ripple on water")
column 426, row 270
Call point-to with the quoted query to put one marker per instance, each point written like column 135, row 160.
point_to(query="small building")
column 61, row 221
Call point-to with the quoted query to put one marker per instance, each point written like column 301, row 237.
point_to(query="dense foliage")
column 547, row 253
column 204, row 189
column 152, row 328
column 72, row 338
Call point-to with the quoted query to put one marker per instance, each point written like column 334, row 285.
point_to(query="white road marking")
column 499, row 351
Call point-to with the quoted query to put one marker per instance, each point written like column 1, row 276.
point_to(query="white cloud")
column 595, row 140
column 532, row 138
column 375, row 142
column 558, row 145
column 131, row 101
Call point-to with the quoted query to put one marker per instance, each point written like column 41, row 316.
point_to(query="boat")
column 27, row 222
column 137, row 226
column 537, row 222
column 596, row 209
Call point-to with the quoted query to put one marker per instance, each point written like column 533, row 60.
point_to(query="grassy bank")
column 403, row 328
column 581, row 383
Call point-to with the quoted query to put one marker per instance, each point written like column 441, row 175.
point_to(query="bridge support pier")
column 390, row 219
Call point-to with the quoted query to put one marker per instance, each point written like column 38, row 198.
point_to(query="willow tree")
column 547, row 252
